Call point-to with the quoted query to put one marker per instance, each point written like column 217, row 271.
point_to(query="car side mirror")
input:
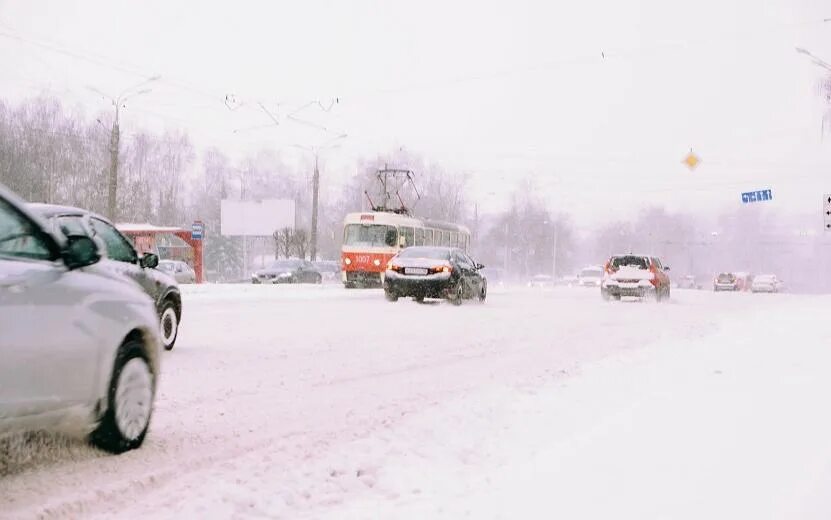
column 666, row 268
column 80, row 251
column 480, row 266
column 150, row 260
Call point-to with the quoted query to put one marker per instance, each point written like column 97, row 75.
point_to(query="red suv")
column 637, row 276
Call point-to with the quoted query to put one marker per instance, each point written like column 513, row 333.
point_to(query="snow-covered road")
column 320, row 402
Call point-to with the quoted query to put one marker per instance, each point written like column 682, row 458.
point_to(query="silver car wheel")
column 168, row 323
column 133, row 398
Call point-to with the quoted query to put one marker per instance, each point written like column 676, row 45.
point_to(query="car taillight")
column 394, row 267
column 440, row 269
column 655, row 281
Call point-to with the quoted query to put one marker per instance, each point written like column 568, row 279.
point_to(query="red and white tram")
column 370, row 239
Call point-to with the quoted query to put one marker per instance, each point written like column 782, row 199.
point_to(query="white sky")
column 501, row 91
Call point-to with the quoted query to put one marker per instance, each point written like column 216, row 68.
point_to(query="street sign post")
column 197, row 230
column 826, row 210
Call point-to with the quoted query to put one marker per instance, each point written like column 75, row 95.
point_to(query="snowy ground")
column 318, row 402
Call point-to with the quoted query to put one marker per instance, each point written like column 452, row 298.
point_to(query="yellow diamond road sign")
column 691, row 160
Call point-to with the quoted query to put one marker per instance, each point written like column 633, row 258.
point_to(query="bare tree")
column 300, row 241
column 283, row 239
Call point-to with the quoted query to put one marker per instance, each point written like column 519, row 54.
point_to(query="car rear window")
column 437, row 253
column 639, row 262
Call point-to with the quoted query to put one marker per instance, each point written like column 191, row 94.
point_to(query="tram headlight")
column 377, row 262
column 347, row 261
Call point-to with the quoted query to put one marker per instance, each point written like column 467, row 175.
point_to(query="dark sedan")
column 434, row 272
column 121, row 259
column 288, row 271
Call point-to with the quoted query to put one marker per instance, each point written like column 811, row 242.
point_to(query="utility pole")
column 315, row 193
column 112, row 185
column 315, row 150
column 506, row 261
column 115, row 139
column 554, row 252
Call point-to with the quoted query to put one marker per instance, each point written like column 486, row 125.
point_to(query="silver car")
column 79, row 347
column 180, row 271
column 122, row 259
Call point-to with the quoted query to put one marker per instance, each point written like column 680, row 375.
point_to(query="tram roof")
column 380, row 217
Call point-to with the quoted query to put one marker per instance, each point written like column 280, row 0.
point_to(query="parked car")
column 541, row 280
column 180, row 271
column 568, row 281
column 590, row 276
column 495, row 275
column 288, row 271
column 329, row 269
column 726, row 282
column 79, row 347
column 638, row 276
column 767, row 283
column 122, row 259
column 689, row 282
column 434, row 272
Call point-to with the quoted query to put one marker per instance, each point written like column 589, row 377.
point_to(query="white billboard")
column 255, row 218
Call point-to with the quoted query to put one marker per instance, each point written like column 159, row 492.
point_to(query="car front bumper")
column 428, row 286
column 366, row 278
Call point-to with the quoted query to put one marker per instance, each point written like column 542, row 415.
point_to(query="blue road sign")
column 197, row 230
column 757, row 196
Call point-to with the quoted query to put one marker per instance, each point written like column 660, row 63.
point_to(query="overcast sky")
column 598, row 100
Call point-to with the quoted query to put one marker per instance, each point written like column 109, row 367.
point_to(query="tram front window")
column 373, row 235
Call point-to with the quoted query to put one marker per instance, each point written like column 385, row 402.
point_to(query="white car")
column 541, row 280
column 767, row 283
column 180, row 271
column 79, row 347
column 591, row 276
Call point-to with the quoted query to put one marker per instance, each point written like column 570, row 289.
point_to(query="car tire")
column 319, row 279
column 390, row 296
column 458, row 295
column 169, row 325
column 418, row 299
column 129, row 402
column 483, row 292
column 255, row 282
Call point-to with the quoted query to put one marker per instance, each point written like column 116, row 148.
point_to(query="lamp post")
column 115, row 138
column 816, row 61
column 555, row 236
column 827, row 85
column 315, row 151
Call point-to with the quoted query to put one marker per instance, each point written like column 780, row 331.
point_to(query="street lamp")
column 817, row 61
column 827, row 85
column 315, row 150
column 115, row 138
